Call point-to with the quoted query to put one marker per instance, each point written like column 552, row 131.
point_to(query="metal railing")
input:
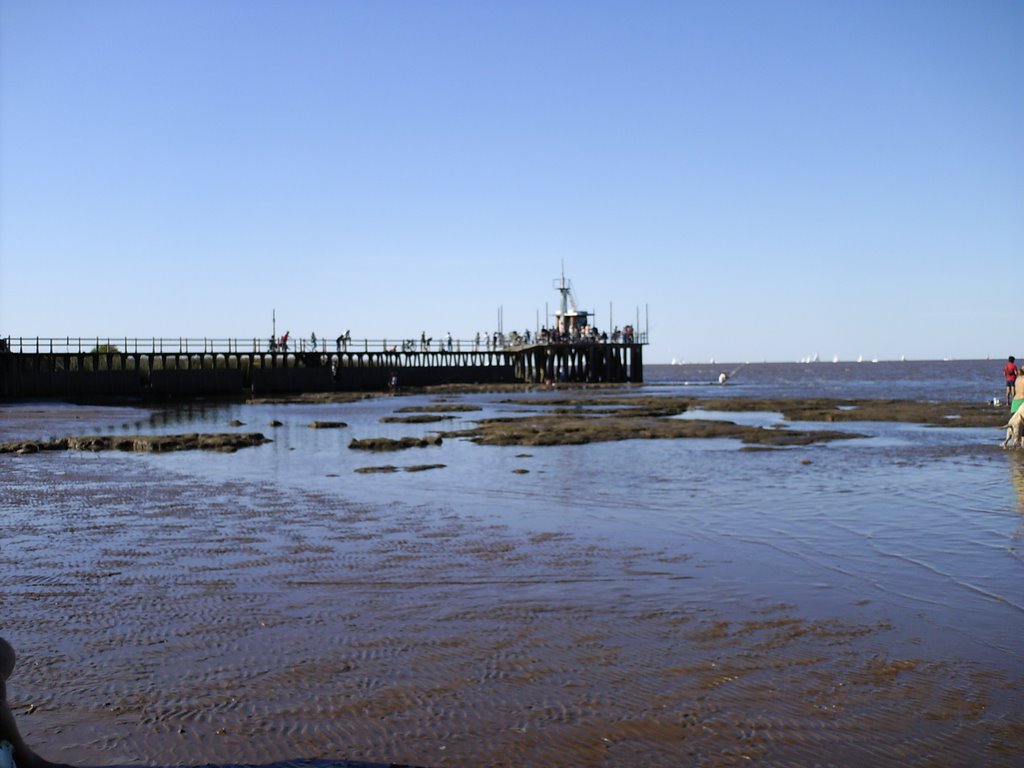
column 216, row 346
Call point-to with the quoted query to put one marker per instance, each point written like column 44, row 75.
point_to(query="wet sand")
column 163, row 621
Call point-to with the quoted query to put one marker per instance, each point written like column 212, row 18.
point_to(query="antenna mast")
column 564, row 287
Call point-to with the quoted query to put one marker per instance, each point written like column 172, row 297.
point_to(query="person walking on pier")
column 312, row 341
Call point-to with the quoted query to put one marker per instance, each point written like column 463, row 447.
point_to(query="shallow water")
column 622, row 604
column 945, row 380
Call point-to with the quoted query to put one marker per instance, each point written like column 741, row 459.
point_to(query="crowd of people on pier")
column 585, row 334
column 280, row 344
column 498, row 340
column 482, row 341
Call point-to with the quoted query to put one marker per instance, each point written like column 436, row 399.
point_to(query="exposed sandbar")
column 418, row 418
column 388, row 468
column 581, row 429
column 587, row 419
column 145, row 443
column 818, row 409
column 389, row 444
column 440, row 408
column 949, row 414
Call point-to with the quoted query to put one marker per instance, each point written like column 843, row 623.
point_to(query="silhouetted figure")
column 11, row 743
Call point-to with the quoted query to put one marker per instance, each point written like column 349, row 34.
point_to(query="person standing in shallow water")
column 12, row 746
column 1018, row 394
column 1010, row 371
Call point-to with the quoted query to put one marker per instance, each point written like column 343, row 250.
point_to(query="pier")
column 157, row 369
column 572, row 350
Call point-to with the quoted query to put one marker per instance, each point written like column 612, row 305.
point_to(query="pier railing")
column 212, row 345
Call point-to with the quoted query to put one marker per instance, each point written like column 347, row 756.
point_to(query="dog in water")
column 1015, row 430
column 14, row 752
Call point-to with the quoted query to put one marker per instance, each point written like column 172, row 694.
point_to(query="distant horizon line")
column 855, row 361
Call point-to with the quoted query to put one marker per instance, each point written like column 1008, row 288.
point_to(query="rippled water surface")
column 645, row 602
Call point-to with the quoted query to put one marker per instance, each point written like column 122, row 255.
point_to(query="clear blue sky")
column 768, row 180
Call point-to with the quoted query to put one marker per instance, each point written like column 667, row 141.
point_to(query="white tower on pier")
column 568, row 318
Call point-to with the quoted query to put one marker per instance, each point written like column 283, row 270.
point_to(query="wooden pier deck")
column 77, row 369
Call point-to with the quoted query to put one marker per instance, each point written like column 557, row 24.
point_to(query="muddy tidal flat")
column 579, row 580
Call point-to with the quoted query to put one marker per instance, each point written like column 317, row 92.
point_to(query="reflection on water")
column 1017, row 478
column 765, row 419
